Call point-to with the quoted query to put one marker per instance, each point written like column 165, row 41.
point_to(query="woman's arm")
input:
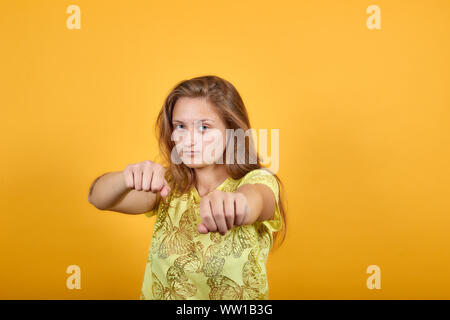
column 260, row 201
column 135, row 190
column 109, row 192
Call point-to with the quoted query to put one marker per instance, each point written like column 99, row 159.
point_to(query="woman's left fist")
column 220, row 211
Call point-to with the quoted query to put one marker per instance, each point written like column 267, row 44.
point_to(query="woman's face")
column 198, row 132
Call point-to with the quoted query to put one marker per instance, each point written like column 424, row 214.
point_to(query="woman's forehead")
column 194, row 109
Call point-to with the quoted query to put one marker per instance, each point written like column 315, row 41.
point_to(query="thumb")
column 202, row 228
column 165, row 189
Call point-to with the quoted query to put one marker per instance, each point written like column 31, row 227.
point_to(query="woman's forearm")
column 107, row 189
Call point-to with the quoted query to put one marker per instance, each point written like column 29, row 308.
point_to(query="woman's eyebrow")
column 173, row 121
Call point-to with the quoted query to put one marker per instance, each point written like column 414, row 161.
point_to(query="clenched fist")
column 220, row 211
column 147, row 176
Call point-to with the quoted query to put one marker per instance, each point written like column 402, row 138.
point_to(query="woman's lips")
column 191, row 152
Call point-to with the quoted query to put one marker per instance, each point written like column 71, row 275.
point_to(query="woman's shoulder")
column 263, row 176
column 262, row 173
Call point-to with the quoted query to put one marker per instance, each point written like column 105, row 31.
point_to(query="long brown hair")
column 227, row 101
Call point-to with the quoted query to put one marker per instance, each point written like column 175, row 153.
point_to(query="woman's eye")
column 176, row 126
column 204, row 128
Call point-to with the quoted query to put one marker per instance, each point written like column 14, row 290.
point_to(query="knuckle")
column 229, row 214
column 160, row 175
column 205, row 216
column 203, row 204
column 136, row 168
column 241, row 197
column 212, row 196
column 216, row 194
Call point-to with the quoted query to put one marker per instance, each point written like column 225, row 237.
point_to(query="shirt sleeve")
column 263, row 176
column 151, row 213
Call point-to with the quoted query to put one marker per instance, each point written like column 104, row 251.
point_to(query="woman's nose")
column 195, row 137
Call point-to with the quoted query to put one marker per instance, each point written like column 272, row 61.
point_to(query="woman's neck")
column 209, row 178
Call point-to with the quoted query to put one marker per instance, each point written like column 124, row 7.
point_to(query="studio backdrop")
column 358, row 92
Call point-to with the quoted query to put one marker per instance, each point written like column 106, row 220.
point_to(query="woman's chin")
column 190, row 163
column 195, row 166
column 196, row 162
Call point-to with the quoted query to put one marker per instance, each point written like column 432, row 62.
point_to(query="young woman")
column 216, row 216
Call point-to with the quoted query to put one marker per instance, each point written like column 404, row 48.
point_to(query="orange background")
column 364, row 137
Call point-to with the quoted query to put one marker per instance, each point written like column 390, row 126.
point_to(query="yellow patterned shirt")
column 184, row 264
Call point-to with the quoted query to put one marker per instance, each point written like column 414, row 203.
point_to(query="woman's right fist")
column 147, row 176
